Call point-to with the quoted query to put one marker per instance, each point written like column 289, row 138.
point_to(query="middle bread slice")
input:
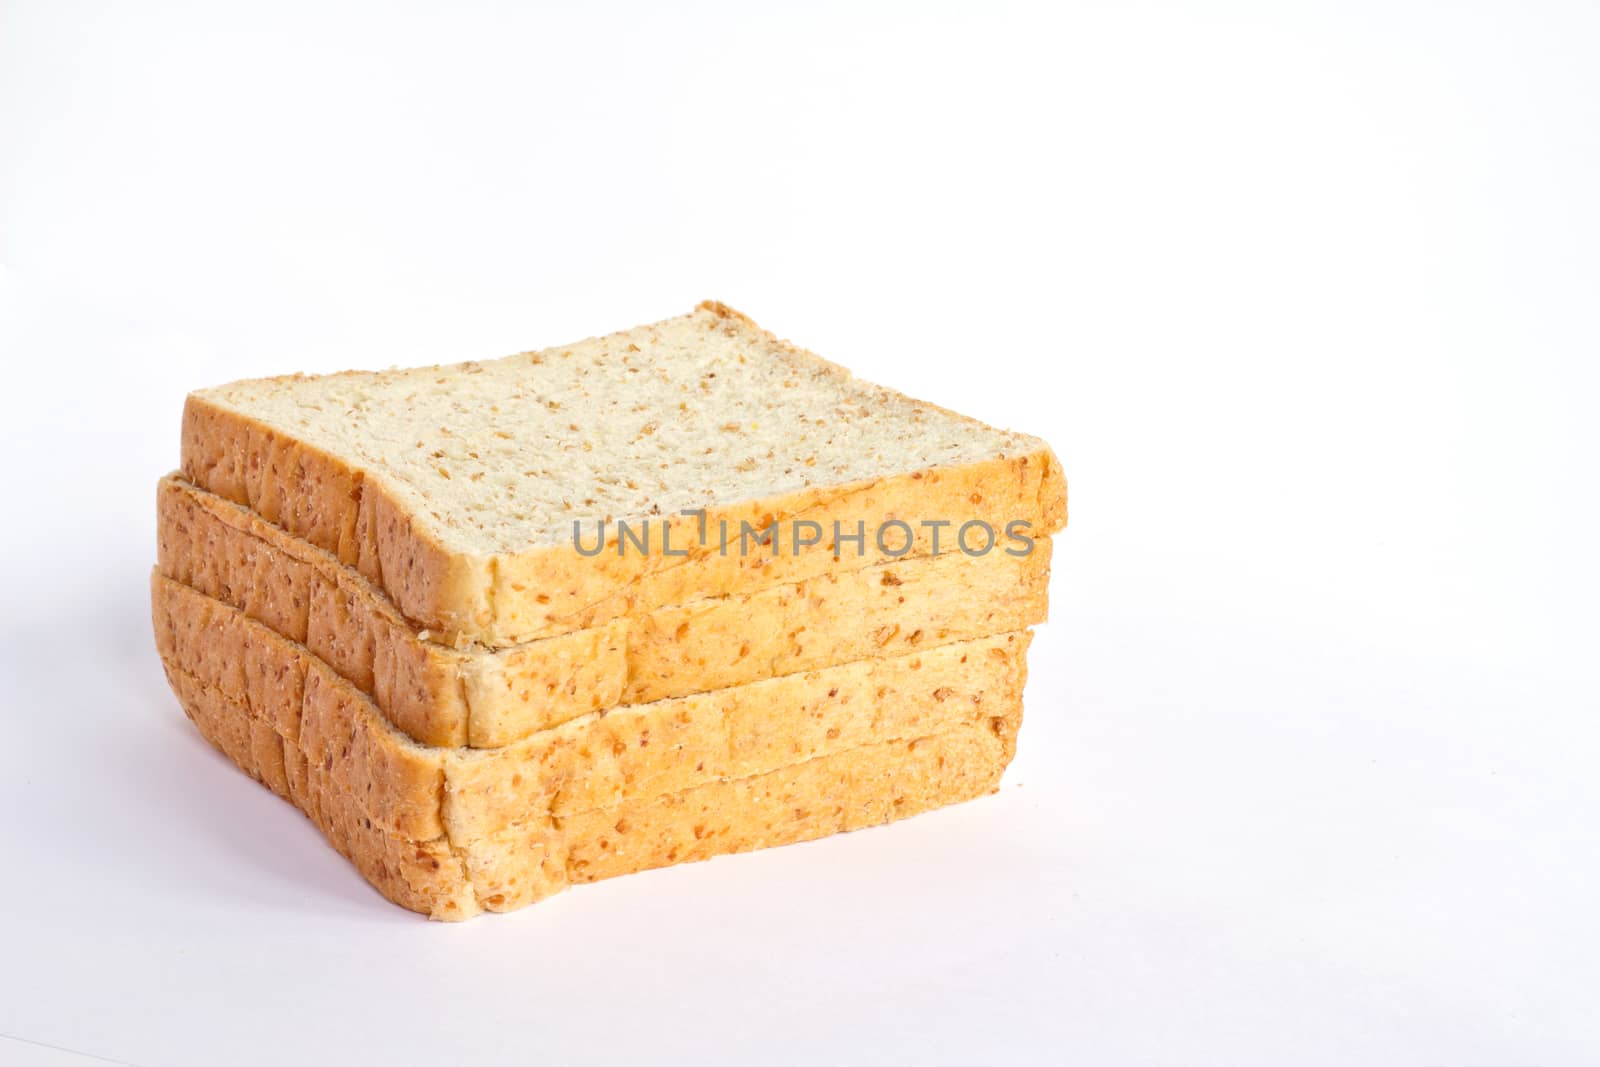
column 486, row 698
column 596, row 760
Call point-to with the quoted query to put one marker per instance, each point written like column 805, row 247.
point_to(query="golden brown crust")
column 368, row 524
column 487, row 698
column 432, row 692
column 591, row 762
column 865, row 786
column 589, row 591
column 862, row 787
column 422, row 876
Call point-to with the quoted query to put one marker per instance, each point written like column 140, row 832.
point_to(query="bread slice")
column 864, row 786
column 470, row 493
column 592, row 762
column 490, row 697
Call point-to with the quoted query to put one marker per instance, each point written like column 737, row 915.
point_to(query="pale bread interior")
column 697, row 411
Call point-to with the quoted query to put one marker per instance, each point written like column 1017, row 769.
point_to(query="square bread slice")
column 451, row 831
column 593, row 762
column 865, row 786
column 441, row 695
column 473, row 494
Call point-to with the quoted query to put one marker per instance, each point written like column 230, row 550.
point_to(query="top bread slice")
column 475, row 495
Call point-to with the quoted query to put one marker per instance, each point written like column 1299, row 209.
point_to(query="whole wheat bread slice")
column 468, row 493
column 440, row 695
column 864, row 786
column 591, row 762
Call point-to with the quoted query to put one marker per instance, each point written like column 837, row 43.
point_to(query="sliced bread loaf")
column 440, row 695
column 472, row 494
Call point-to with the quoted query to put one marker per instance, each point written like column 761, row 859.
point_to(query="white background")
column 1305, row 297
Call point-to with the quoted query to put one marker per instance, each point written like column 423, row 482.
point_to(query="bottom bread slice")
column 864, row 786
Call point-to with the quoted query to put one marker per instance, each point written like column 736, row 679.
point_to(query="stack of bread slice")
column 684, row 590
